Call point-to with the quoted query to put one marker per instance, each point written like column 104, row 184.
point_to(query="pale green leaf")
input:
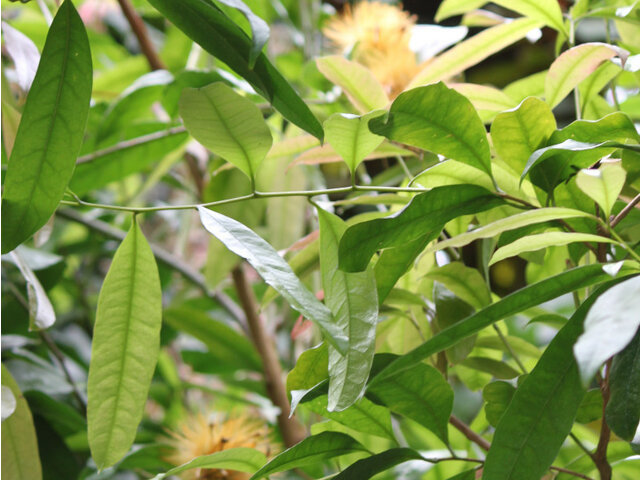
column 594, row 83
column 449, row 8
column 530, row 86
column 259, row 28
column 603, row 185
column 547, row 11
column 467, row 283
column 326, row 154
column 238, row 459
column 311, row 369
column 488, row 101
column 452, row 172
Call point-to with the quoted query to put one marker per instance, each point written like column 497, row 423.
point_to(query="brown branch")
column 470, row 434
column 292, row 431
column 600, row 455
column 140, row 31
column 625, row 211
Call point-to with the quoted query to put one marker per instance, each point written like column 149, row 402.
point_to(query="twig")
column 467, row 432
column 292, row 431
column 507, row 345
column 570, row 472
column 625, row 211
column 140, row 31
column 600, row 455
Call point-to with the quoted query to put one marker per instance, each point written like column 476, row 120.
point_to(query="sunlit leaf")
column 259, row 28
column 547, row 11
column 603, row 185
column 238, row 459
column 449, row 8
column 488, row 101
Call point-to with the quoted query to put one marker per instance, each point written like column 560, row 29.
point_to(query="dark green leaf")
column 591, row 407
column 370, row 466
column 311, row 369
column 50, row 132
column 207, row 25
column 427, row 213
column 488, row 365
column 498, row 395
column 450, row 309
column 259, row 28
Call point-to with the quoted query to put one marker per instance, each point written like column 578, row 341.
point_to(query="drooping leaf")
column 518, row 301
column 358, row 83
column 239, row 459
column 208, row 26
column 50, row 131
column 370, row 466
column 603, row 185
column 543, row 240
column 259, row 28
column 427, row 212
column 421, row 394
column 349, row 135
column 610, row 325
column 275, row 271
column 473, row 50
column 19, row 444
column 352, row 299
column 438, row 119
column 573, row 66
column 227, row 124
column 541, row 413
column 547, row 11
column 316, row 448
column 126, row 341
column 623, row 410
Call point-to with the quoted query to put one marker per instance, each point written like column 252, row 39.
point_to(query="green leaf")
column 358, row 83
column 449, row 8
column 228, row 124
column 602, row 185
column 543, row 240
column 50, row 131
column 609, row 327
column 531, row 217
column 547, row 11
column 590, row 408
column 594, row 83
column 450, row 310
column 352, row 299
column 542, row 411
column 259, row 28
column 575, row 65
column 421, row 394
column 438, row 119
column 425, row 214
column 274, row 270
column 498, row 395
column 208, row 26
column 623, row 409
column 370, row 466
column 349, row 135
column 473, row 50
column 126, row 342
column 465, row 282
column 488, row 101
column 496, row 368
column 19, row 443
column 238, row 459
column 452, row 172
column 516, row 302
column 518, row 133
column 311, row 450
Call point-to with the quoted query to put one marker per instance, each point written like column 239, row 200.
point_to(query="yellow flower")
column 377, row 36
column 200, row 436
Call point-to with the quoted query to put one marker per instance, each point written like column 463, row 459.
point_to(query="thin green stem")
column 510, row 349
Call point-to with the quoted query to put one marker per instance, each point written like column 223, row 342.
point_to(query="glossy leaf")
column 370, row 466
column 41, row 313
column 274, row 270
column 547, row 11
column 19, row 443
column 208, row 26
column 126, row 341
column 349, row 135
column 50, row 131
column 575, row 65
column 238, row 459
column 603, row 185
column 259, row 28
column 438, row 119
column 543, row 240
column 352, row 299
column 518, row 301
column 359, row 85
column 227, row 124
column 317, row 448
column 609, row 326
column 427, row 212
column 473, row 50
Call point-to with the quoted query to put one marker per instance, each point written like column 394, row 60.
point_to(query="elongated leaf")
column 623, row 409
column 358, row 83
column 496, row 368
column 427, row 212
column 19, row 443
column 531, row 217
column 573, row 66
column 543, row 240
column 594, row 83
column 227, row 124
column 41, row 313
column 326, row 154
column 421, row 394
column 370, row 466
column 602, row 185
column 259, row 28
column 50, row 131
column 542, row 411
column 275, row 271
column 610, row 325
column 349, row 135
column 316, row 448
column 467, row 283
column 518, row 133
column 472, row 51
column 311, row 369
column 238, row 459
column 488, row 101
column 208, row 26
column 126, row 341
column 518, row 301
column 449, row 8
column 352, row 299
column 438, row 119
column 547, row 11
column 450, row 309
